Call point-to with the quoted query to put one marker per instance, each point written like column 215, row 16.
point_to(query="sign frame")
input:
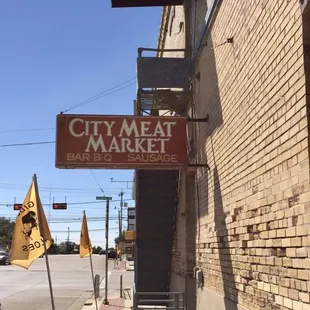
column 163, row 145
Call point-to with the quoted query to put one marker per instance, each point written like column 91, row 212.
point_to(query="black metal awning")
column 144, row 3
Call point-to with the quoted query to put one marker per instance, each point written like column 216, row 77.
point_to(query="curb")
column 79, row 303
column 90, row 304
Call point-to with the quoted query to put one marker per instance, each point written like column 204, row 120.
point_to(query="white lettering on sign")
column 144, row 129
column 152, row 158
column 90, row 126
column 84, row 157
column 131, row 137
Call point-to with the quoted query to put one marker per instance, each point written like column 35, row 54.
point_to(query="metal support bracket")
column 199, row 120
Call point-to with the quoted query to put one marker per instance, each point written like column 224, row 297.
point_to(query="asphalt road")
column 22, row 289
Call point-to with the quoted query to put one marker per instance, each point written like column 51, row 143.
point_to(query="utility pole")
column 119, row 224
column 121, row 194
column 49, row 206
column 68, row 239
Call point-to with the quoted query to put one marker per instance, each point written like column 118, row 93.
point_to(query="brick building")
column 245, row 222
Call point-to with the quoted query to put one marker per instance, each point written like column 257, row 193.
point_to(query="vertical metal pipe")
column 106, row 302
column 121, row 286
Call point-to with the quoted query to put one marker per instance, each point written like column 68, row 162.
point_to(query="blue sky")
column 53, row 55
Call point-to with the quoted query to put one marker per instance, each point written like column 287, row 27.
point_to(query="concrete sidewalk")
column 120, row 265
column 114, row 299
column 114, row 282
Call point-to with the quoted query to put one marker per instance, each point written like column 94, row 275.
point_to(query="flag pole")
column 92, row 270
column 41, row 227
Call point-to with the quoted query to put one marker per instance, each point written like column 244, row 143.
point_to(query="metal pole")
column 121, row 286
column 106, row 254
column 122, row 193
column 49, row 206
column 135, row 301
column 92, row 273
column 121, row 215
column 119, row 224
column 49, row 274
column 41, row 227
column 68, row 238
column 177, row 307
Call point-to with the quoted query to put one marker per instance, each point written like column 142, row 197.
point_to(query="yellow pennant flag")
column 30, row 227
column 85, row 244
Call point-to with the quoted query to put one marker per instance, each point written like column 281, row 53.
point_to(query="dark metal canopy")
column 144, row 3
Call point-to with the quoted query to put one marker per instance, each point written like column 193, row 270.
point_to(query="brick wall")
column 172, row 37
column 184, row 241
column 254, row 203
column 172, row 34
column 179, row 244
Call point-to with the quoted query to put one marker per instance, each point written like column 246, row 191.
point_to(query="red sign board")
column 121, row 142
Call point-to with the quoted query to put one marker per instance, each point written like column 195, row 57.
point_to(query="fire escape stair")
column 156, row 200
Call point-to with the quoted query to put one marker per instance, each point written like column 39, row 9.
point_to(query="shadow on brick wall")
column 306, row 42
column 207, row 103
column 207, row 94
column 229, row 284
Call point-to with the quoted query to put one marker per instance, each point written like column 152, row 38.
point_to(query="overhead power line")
column 74, row 203
column 120, row 87
column 77, row 221
column 100, row 95
column 27, row 143
column 53, row 189
column 73, row 220
column 92, row 173
column 78, row 231
column 113, row 219
column 26, row 130
column 104, row 93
